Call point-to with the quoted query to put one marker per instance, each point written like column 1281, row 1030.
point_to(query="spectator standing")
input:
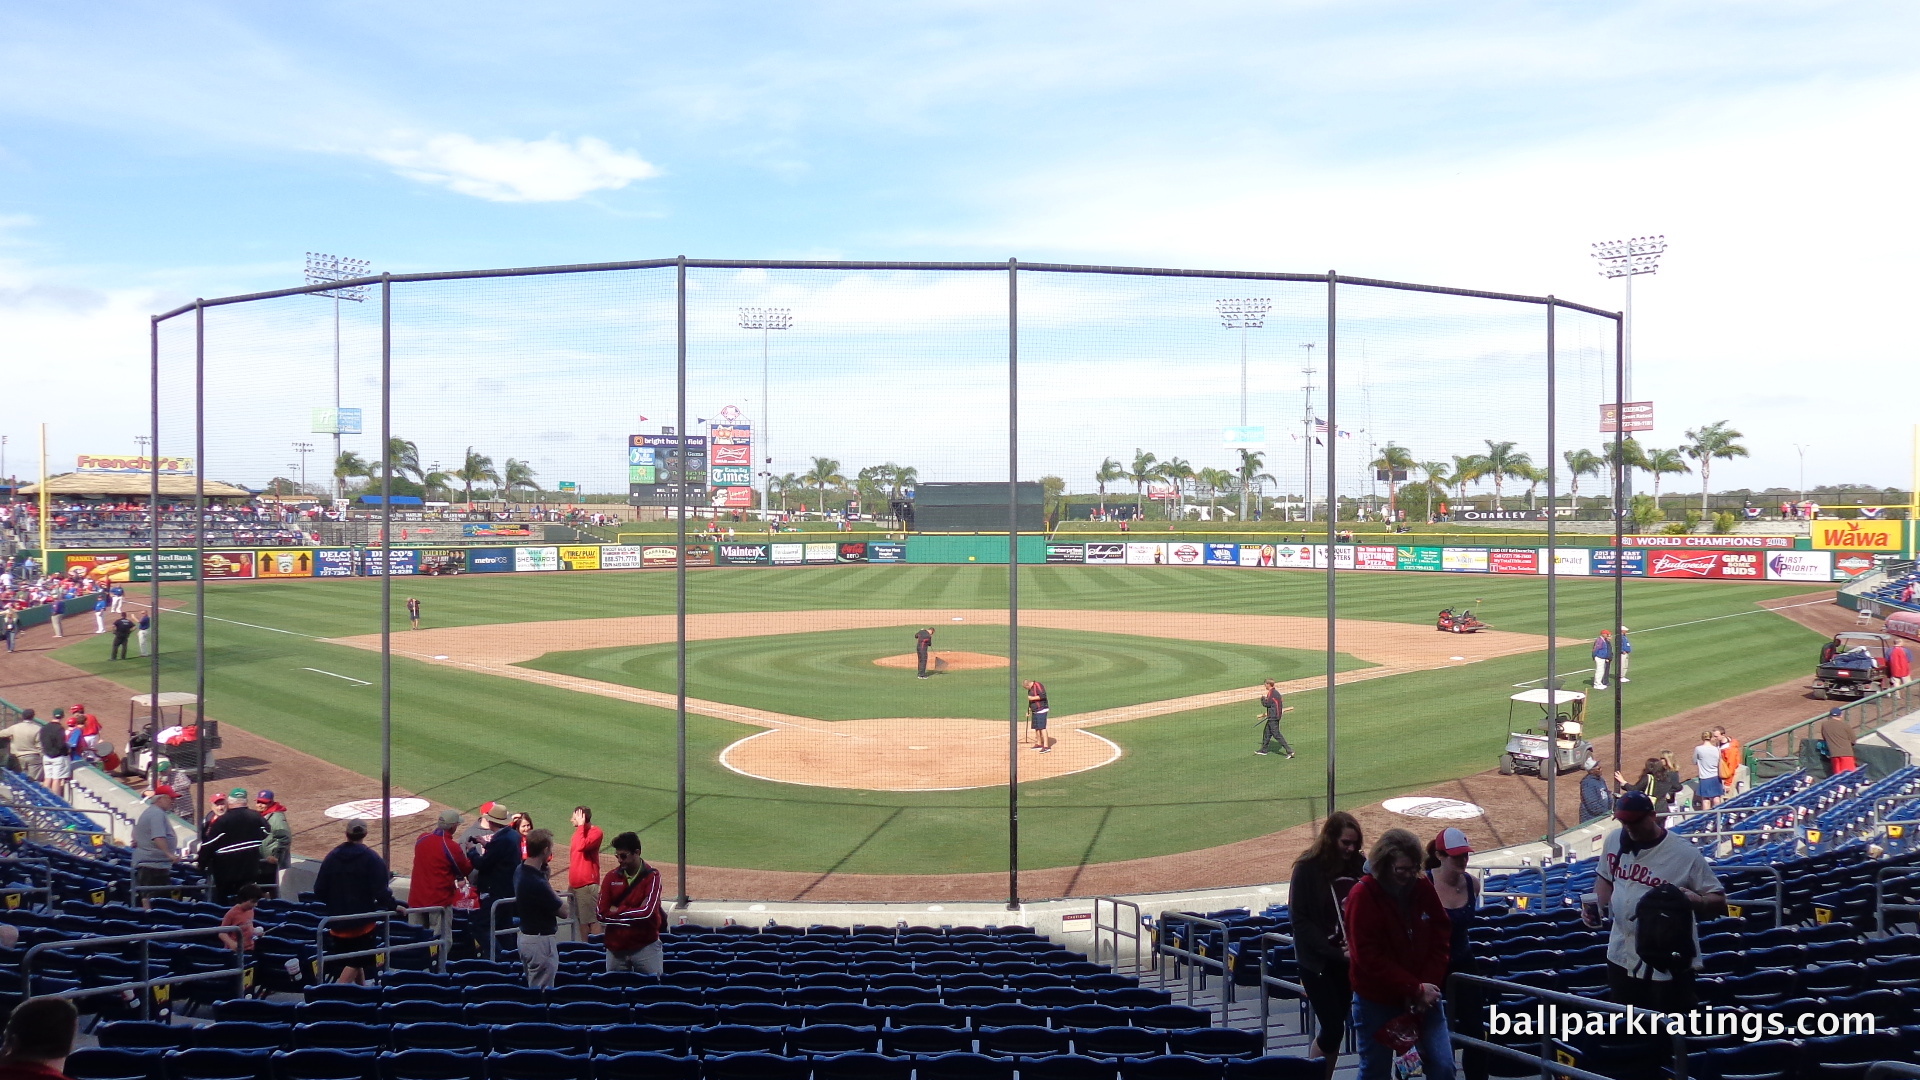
column 1602, row 655
column 56, row 757
column 1706, row 763
column 277, row 853
column 1400, row 939
column 59, row 616
column 9, row 627
column 140, row 628
column 583, row 871
column 230, row 849
column 440, row 867
column 1733, row 765
column 24, row 739
column 1637, row 858
column 1838, row 735
column 493, row 875
column 353, row 880
column 153, row 851
column 1596, row 799
column 39, row 1037
column 100, row 613
column 1459, row 893
column 1622, row 652
column 630, row 909
column 539, row 909
column 122, row 630
column 1322, row 876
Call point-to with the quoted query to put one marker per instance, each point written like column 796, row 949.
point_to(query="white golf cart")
column 1564, row 712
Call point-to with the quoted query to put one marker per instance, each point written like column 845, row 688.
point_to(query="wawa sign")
column 1859, row 535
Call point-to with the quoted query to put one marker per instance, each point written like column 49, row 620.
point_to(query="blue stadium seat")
column 218, row 1063
column 555, row 1037
column 1846, row 1057
column 594, row 1013
column 926, row 1041
column 761, row 1014
column 432, row 1065
column 927, row 1015
column 114, row 1063
column 832, row 1039
column 1119, row 1042
column 1274, row 1067
column 861, row 1066
column 618, row 1039
column 537, row 1065
column 676, row 1014
column 1009, row 1016
column 1023, row 1040
column 1171, row 1017
column 325, row 1064
column 411, row 1011
column 963, row 1067
column 646, row 1066
column 1170, row 1067
column 1088, row 1016
column 736, row 1039
column 339, row 1035
column 266, row 1012
column 1069, row 1067
column 243, row 1035
column 459, row 1038
column 1217, row 1042
column 755, row 1066
column 851, row 1014
column 144, row 1035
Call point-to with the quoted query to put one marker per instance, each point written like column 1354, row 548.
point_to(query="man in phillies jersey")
column 1639, row 857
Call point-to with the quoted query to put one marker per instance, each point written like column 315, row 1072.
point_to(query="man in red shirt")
column 630, row 907
column 1400, row 940
column 440, row 865
column 583, row 871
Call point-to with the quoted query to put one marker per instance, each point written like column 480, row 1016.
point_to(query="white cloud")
column 515, row 170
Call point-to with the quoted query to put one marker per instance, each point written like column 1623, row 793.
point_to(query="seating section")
column 1902, row 591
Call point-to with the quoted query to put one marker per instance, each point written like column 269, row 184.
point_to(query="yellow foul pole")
column 44, row 567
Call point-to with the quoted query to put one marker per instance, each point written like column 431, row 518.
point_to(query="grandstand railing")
column 443, row 943
column 32, row 866
column 1541, row 869
column 495, row 930
column 147, row 981
column 1545, row 1058
column 1778, row 903
column 1191, row 961
column 1880, row 905
column 1114, row 931
column 1267, row 942
column 1861, row 714
column 1792, row 828
column 135, row 893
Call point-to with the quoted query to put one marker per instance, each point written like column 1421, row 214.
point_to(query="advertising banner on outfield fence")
column 1141, row 554
column 1256, row 554
column 1296, row 556
column 1105, row 552
column 1464, row 560
column 789, row 554
column 584, row 557
column 1858, row 535
column 1417, row 558
column 743, row 554
column 1572, row 562
column 620, row 557
column 1800, row 566
column 1662, row 540
column 1184, row 554
column 1853, row 565
column 1223, row 554
column 886, row 551
column 1737, row 565
column 526, row 559
column 854, row 551
column 657, row 555
column 1066, row 553
column 1632, row 562
column 406, row 562
column 1514, row 561
column 492, row 529
column 490, row 560
column 335, row 562
column 1376, row 557
column 822, row 553
column 700, row 555
column 290, row 563
column 100, row 565
column 1343, row 556
column 228, row 564
column 439, row 562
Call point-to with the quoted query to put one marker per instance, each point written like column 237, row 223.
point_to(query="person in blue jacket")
column 1602, row 656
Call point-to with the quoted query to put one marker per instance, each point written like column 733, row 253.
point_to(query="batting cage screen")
column 840, row 580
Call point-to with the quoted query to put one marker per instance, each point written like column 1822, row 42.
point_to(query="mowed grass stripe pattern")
column 1187, row 781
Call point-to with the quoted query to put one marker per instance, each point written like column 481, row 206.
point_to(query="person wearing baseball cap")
column 1459, row 893
column 1637, row 858
column 493, row 871
column 440, row 866
column 230, row 847
column 1838, row 735
column 277, row 853
column 153, row 845
column 353, row 880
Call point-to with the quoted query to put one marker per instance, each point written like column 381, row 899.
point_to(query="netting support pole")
column 1333, row 515
column 1619, row 520
column 1016, row 698
column 199, row 557
column 1553, row 611
column 680, row 585
column 386, row 567
column 153, row 557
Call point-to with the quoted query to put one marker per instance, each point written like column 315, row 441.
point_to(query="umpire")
column 1272, row 706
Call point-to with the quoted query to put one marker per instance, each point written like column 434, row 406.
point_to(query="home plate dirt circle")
column 954, row 661
column 909, row 754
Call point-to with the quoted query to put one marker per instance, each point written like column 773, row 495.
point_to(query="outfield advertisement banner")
column 1181, row 554
column 99, row 565
column 405, row 562
column 822, row 553
column 1139, row 554
column 1343, row 556
column 743, row 554
column 1572, row 562
column 1856, row 535
column 789, row 554
column 1800, row 566
column 491, row 530
column 1662, row 540
column 1066, row 553
column 536, row 558
column 1513, row 561
column 1256, row 554
column 328, row 562
column 1853, row 565
column 228, row 564
column 1291, row 556
column 1632, row 562
column 583, row 557
column 1731, row 565
column 855, row 551
column 1418, row 558
column 700, row 555
column 889, row 551
column 1464, row 560
column 1376, row 557
column 292, row 563
column 437, row 562
column 1106, row 553
column 490, row 560
column 1223, row 554
column 620, row 557
column 657, row 555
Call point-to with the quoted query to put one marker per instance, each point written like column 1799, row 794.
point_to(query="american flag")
column 1319, row 427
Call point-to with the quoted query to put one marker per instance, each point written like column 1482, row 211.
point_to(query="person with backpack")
column 1653, row 885
column 56, row 757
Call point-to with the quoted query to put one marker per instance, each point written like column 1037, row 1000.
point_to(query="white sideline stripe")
column 1691, row 622
column 336, row 675
column 251, row 626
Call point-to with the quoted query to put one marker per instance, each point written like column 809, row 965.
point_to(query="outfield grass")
column 1187, row 781
column 831, row 675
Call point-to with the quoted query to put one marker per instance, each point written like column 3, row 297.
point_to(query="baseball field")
column 811, row 746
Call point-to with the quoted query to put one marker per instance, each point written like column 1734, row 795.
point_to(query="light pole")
column 322, row 269
column 1243, row 315
column 141, row 441
column 1306, row 437
column 1802, row 449
column 1629, row 259
column 766, row 320
column 303, row 449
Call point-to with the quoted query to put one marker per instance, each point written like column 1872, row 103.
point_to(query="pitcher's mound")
column 956, row 661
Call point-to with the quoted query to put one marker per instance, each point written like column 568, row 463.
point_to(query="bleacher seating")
column 1890, row 592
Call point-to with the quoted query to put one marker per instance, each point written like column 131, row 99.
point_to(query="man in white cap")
column 153, row 850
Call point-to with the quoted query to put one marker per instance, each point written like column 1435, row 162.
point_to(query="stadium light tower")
column 1629, row 259
column 766, row 320
column 322, row 269
column 1243, row 315
column 303, row 449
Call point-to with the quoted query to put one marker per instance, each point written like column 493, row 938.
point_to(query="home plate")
column 1445, row 809
column 370, row 808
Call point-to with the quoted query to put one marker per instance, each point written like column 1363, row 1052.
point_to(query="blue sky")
column 150, row 153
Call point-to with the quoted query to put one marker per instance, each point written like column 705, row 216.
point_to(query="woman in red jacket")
column 1399, row 937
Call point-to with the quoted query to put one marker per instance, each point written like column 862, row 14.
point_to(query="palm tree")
column 438, row 480
column 1215, row 481
column 1251, row 462
column 347, row 466
column 404, row 457
column 1109, row 472
column 784, row 484
column 1466, row 470
column 1393, row 458
column 475, row 468
column 824, row 474
column 1716, row 440
column 1622, row 458
column 1661, row 462
column 1502, row 463
column 1582, row 462
column 1145, row 467
column 516, row 474
column 1178, row 470
column 1534, row 476
column 900, row 477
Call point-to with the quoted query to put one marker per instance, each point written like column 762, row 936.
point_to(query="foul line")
column 251, row 626
column 336, row 675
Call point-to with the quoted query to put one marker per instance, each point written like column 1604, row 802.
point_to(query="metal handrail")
column 1267, row 980
column 495, row 930
column 1779, row 901
column 32, row 866
column 444, row 942
column 1483, row 871
column 1192, row 960
column 1548, row 1066
column 1880, row 905
column 205, row 888
column 1717, row 812
column 238, row 972
column 1114, row 931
